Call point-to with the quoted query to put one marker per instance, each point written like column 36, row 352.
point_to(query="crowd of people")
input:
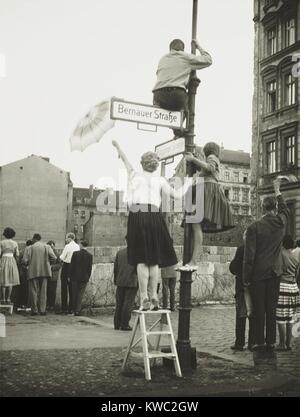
column 267, row 269
column 34, row 274
column 266, row 266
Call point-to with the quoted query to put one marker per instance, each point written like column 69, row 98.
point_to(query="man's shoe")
column 33, row 313
column 43, row 314
column 126, row 329
column 270, row 348
column 237, row 348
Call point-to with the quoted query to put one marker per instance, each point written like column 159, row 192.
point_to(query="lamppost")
column 185, row 352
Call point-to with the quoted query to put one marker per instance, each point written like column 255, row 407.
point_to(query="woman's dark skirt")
column 148, row 238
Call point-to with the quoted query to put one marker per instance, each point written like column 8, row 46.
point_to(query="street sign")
column 145, row 114
column 171, row 148
column 169, row 161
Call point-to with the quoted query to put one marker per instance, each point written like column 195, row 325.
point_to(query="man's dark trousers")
column 125, row 297
column 78, row 289
column 265, row 297
column 240, row 329
column 66, row 287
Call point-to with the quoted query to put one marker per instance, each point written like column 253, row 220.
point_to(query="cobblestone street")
column 70, row 356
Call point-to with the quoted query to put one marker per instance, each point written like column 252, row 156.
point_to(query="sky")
column 58, row 58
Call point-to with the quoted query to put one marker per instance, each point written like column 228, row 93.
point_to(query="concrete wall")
column 106, row 229
column 35, row 196
column 213, row 281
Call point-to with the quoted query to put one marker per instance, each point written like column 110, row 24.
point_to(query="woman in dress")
column 210, row 211
column 150, row 246
column 289, row 300
column 9, row 274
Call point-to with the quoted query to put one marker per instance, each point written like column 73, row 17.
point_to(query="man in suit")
column 236, row 268
column 80, row 273
column 125, row 278
column 261, row 269
column 38, row 257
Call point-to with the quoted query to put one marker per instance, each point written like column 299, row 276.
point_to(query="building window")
column 245, row 211
column 226, row 192
column 236, row 194
column 272, row 41
column 271, row 156
column 271, row 98
column 236, row 176
column 236, row 210
column 83, row 214
column 75, row 228
column 289, row 32
column 289, row 151
column 245, row 196
column 81, row 228
column 76, row 212
column 227, row 176
column 289, row 90
column 245, row 178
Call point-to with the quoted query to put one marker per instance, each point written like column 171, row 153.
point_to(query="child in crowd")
column 289, row 300
column 210, row 210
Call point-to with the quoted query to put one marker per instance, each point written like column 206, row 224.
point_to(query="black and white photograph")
column 149, row 201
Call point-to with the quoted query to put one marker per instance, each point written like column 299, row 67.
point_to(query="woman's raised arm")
column 124, row 158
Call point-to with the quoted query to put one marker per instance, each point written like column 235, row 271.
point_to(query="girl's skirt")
column 288, row 302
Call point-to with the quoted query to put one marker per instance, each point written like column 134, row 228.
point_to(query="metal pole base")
column 187, row 357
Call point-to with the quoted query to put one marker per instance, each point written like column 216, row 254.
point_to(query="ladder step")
column 153, row 354
column 157, row 354
column 158, row 333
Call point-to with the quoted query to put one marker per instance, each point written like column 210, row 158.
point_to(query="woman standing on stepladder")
column 150, row 246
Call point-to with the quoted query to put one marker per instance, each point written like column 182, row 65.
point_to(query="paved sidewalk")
column 212, row 331
column 73, row 356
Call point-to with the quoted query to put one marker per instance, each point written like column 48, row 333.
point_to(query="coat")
column 81, row 266
column 38, row 257
column 263, row 245
column 124, row 274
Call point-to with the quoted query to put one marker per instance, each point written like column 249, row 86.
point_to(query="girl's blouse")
column 290, row 264
column 212, row 174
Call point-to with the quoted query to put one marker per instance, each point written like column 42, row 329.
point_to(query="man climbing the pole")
column 173, row 74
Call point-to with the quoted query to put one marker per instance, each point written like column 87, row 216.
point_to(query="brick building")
column 84, row 203
column 35, row 197
column 276, row 112
column 87, row 202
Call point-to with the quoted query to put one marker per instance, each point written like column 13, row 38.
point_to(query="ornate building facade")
column 276, row 112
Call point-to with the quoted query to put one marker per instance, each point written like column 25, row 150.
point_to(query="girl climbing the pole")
column 150, row 246
column 210, row 210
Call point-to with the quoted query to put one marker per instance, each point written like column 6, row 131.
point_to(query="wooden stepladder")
column 153, row 353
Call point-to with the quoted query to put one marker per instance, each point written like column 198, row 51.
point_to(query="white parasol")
column 92, row 127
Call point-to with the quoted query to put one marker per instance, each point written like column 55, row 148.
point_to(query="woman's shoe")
column 155, row 305
column 145, row 305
